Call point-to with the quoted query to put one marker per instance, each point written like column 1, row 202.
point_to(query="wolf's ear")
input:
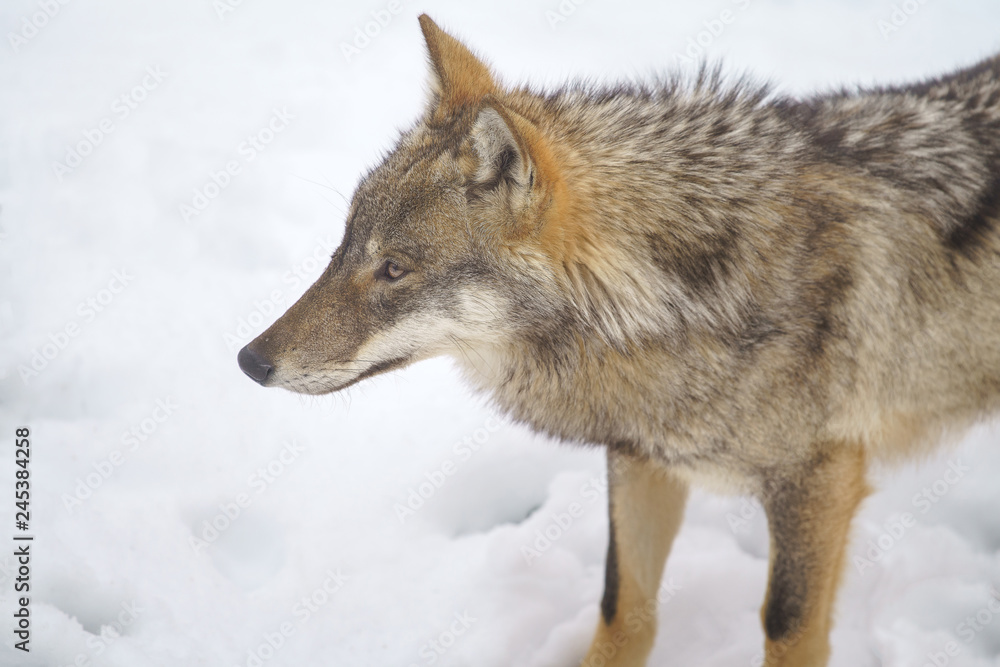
column 458, row 77
column 504, row 155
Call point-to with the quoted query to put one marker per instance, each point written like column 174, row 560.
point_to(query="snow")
column 142, row 309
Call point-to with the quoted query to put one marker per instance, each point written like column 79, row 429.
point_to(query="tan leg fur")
column 810, row 517
column 647, row 506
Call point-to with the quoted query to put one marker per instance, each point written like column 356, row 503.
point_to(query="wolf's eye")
column 391, row 271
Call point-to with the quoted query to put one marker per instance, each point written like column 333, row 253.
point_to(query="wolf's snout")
column 254, row 365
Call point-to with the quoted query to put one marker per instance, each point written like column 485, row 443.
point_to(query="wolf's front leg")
column 809, row 512
column 646, row 507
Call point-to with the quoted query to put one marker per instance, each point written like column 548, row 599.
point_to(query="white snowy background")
column 116, row 302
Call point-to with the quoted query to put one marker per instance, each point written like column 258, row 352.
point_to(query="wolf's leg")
column 646, row 508
column 809, row 513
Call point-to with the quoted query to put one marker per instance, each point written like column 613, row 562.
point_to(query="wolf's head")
column 442, row 251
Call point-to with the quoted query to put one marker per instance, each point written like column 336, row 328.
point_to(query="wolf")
column 718, row 284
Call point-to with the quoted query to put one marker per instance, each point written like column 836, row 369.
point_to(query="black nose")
column 254, row 365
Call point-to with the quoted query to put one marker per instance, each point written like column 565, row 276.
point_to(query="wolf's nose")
column 254, row 365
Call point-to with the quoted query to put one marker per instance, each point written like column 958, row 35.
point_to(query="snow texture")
column 185, row 516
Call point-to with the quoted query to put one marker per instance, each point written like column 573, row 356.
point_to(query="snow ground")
column 141, row 310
